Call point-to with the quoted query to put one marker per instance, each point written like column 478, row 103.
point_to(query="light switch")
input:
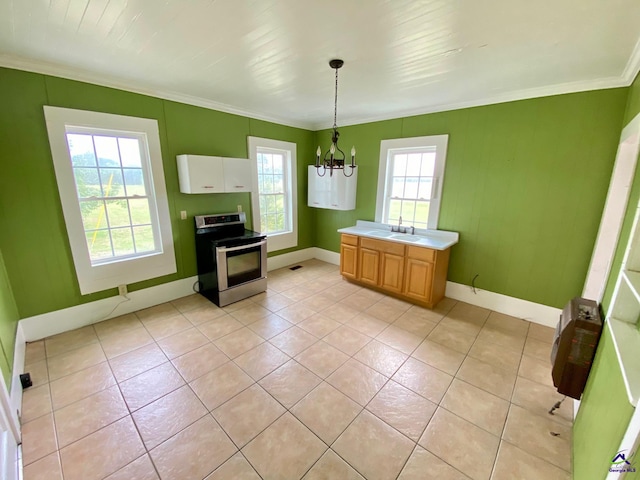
column 183, row 214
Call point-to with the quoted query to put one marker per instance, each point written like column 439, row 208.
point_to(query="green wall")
column 525, row 184
column 8, row 324
column 33, row 234
column 605, row 410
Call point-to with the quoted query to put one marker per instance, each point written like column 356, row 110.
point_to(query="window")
column 275, row 205
column 111, row 184
column 410, row 180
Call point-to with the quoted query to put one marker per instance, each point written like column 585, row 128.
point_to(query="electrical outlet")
column 239, row 208
column 183, row 214
column 122, row 290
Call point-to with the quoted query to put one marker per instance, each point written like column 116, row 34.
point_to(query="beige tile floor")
column 316, row 379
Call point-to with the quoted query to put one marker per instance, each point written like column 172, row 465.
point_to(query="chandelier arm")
column 344, row 171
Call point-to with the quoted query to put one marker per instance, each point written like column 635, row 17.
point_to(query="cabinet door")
column 348, row 260
column 418, row 280
column 392, row 272
column 200, row 174
column 238, row 174
column 369, row 270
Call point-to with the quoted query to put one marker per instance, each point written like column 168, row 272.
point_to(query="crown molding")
column 628, row 76
column 633, row 65
column 135, row 87
column 528, row 94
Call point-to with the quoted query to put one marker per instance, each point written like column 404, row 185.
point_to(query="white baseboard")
column 533, row 312
column 286, row 259
column 327, row 256
column 51, row 323
column 59, row 321
column 516, row 307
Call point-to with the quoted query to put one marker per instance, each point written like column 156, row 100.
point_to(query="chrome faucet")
column 401, row 229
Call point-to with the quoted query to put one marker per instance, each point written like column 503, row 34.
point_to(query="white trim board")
column 516, row 307
column 614, row 211
column 19, row 354
column 59, row 321
column 624, row 80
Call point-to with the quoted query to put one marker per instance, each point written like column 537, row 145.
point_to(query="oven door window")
column 243, row 266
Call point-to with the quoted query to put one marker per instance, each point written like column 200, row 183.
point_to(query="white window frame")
column 288, row 239
column 121, row 270
column 393, row 146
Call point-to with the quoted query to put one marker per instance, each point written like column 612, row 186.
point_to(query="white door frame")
column 614, row 210
column 9, row 437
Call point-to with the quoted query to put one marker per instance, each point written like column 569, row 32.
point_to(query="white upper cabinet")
column 335, row 192
column 237, row 174
column 207, row 174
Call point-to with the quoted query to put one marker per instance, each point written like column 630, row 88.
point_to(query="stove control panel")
column 220, row 219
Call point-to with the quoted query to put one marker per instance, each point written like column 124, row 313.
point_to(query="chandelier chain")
column 335, row 104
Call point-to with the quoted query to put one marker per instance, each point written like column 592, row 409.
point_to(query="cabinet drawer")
column 349, row 239
column 421, row 253
column 382, row 246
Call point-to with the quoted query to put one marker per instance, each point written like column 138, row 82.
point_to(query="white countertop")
column 435, row 239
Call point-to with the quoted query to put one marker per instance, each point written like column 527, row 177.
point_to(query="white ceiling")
column 269, row 58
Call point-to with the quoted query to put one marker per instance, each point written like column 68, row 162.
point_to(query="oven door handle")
column 241, row 247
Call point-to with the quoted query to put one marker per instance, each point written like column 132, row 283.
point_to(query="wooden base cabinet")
column 417, row 274
column 349, row 256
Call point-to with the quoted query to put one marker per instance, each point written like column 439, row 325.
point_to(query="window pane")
column 140, row 213
column 263, row 221
column 134, row 181
column 260, row 160
column 399, row 165
column 130, row 152
column 267, row 165
column 426, row 185
column 93, row 216
column 394, row 210
column 81, row 150
column 280, row 223
column 107, row 151
column 408, row 209
column 279, row 199
column 278, row 184
column 122, row 241
column 267, row 184
column 278, row 164
column 428, row 164
column 118, row 213
column 112, row 183
column 144, row 239
column 271, row 223
column 99, row 244
column 263, row 203
column 397, row 189
column 411, row 189
column 87, row 182
column 422, row 212
column 271, row 204
column 413, row 164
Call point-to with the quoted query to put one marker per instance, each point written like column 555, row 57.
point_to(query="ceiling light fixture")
column 334, row 158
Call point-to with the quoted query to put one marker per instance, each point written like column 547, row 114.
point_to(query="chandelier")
column 334, row 158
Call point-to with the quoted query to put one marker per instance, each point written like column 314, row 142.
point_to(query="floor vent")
column 295, row 267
